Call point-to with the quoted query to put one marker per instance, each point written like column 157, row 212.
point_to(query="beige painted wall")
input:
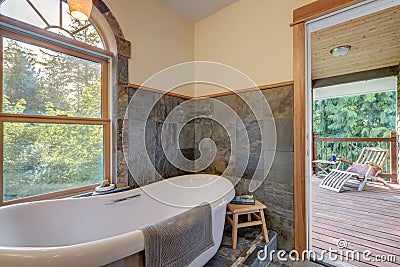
column 251, row 35
column 160, row 37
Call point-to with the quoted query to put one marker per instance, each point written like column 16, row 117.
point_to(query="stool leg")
column 264, row 226
column 234, row 230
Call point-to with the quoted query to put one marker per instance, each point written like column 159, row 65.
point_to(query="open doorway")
column 352, row 118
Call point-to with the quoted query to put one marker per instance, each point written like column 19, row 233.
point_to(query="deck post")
column 315, row 149
column 393, row 156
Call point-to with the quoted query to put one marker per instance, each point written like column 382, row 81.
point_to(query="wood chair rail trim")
column 245, row 90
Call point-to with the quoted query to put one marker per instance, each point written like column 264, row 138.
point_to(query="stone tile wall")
column 119, row 93
column 135, row 121
column 277, row 189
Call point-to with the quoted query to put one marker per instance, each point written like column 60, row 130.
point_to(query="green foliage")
column 88, row 35
column 369, row 115
column 46, row 157
column 19, row 74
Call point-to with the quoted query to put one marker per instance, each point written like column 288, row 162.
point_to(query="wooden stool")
column 251, row 211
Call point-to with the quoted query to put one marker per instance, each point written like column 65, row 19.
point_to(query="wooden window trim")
column 300, row 17
column 103, row 120
column 53, row 195
column 29, row 40
column 6, row 117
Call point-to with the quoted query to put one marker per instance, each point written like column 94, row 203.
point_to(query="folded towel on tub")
column 179, row 240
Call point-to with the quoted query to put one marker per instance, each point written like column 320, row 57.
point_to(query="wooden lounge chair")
column 373, row 156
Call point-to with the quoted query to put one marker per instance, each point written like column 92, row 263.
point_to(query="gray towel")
column 179, row 240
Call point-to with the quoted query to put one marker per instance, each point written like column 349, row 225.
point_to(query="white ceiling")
column 356, row 88
column 196, row 10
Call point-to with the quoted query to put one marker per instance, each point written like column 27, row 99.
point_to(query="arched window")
column 54, row 16
column 54, row 119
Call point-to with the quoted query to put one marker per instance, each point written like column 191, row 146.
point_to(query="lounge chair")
column 367, row 167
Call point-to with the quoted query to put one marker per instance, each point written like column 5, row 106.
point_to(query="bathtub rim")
column 74, row 250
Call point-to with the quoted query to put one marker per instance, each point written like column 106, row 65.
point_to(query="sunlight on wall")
column 159, row 36
column 253, row 36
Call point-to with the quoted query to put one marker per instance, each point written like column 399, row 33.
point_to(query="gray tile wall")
column 153, row 127
column 276, row 192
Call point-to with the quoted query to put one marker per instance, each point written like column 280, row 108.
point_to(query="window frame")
column 98, row 55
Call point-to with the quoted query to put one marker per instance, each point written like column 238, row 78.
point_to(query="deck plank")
column 367, row 220
column 321, row 246
column 381, row 219
column 371, row 234
column 365, row 209
column 353, row 221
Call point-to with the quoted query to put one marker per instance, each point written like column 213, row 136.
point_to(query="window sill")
column 54, row 195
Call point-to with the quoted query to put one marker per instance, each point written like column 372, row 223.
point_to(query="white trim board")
column 387, row 84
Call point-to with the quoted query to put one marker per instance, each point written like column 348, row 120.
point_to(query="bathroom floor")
column 250, row 242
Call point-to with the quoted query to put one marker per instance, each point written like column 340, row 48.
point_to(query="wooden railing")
column 350, row 148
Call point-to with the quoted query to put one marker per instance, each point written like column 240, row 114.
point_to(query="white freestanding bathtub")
column 89, row 232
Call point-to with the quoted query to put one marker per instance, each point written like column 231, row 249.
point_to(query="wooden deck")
column 367, row 220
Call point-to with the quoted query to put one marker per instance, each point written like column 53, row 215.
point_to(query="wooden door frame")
column 300, row 17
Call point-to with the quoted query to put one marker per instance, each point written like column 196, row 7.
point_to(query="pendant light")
column 80, row 9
